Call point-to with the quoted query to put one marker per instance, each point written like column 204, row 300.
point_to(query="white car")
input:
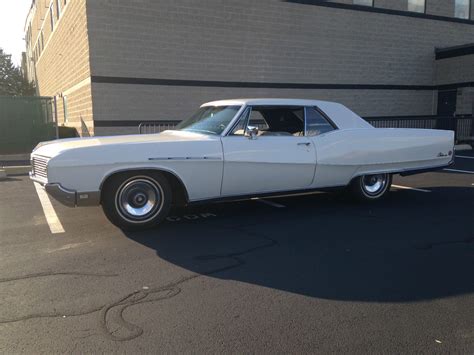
column 235, row 148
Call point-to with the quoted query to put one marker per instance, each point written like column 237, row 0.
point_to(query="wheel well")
column 358, row 176
column 180, row 194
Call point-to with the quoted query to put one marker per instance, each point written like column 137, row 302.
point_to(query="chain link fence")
column 24, row 122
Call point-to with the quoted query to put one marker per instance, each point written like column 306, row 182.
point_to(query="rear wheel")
column 371, row 187
column 134, row 201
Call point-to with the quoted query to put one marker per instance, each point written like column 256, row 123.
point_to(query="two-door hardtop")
column 235, row 148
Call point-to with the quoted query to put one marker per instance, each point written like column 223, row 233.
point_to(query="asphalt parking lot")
column 312, row 273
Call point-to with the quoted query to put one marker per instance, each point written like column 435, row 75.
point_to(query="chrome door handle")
column 306, row 144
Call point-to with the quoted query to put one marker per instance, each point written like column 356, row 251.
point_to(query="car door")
column 277, row 159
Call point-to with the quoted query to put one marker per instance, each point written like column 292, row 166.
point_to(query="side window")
column 316, row 123
column 278, row 120
column 257, row 120
column 239, row 129
column 272, row 121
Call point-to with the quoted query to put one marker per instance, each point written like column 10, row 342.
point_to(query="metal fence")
column 462, row 125
column 465, row 129
column 156, row 126
column 24, row 122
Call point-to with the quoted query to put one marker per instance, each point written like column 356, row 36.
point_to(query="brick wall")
column 455, row 70
column 63, row 66
column 440, row 7
column 401, row 5
column 264, row 41
column 465, row 101
column 260, row 41
column 147, row 103
column 433, row 7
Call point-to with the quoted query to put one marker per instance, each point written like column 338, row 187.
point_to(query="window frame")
column 247, row 110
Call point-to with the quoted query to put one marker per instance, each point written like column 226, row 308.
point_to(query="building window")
column 58, row 9
column 65, row 109
column 51, row 16
column 462, row 9
column 364, row 2
column 416, row 6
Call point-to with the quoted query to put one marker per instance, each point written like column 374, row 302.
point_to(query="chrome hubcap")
column 139, row 199
column 374, row 184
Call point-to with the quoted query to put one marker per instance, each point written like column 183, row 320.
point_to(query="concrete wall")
column 265, row 41
column 62, row 68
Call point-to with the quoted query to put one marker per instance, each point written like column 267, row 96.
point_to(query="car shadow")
column 413, row 246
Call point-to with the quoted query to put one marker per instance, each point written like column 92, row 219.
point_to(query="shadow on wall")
column 401, row 250
column 84, row 130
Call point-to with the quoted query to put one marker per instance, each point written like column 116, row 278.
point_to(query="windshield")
column 209, row 119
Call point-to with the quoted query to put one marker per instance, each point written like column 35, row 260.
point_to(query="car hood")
column 52, row 148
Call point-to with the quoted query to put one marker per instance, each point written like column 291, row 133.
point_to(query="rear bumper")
column 67, row 197
column 427, row 170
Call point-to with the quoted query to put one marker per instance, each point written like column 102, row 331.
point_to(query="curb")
column 15, row 170
column 461, row 147
column 15, row 157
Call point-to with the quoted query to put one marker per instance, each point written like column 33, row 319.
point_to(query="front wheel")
column 134, row 201
column 371, row 187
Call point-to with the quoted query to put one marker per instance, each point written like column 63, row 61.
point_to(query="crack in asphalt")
column 47, row 274
column 51, row 314
column 153, row 294
column 427, row 246
column 172, row 289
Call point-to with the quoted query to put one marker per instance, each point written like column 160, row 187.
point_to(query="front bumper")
column 67, row 197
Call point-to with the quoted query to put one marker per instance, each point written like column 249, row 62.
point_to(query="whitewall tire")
column 371, row 187
column 134, row 200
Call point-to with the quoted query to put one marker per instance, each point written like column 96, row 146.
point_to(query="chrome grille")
column 40, row 165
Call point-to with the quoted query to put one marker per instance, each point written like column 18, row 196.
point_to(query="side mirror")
column 251, row 132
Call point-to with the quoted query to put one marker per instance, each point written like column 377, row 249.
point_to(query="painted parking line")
column 464, row 157
column 269, row 203
column 51, row 217
column 460, row 171
column 409, row 188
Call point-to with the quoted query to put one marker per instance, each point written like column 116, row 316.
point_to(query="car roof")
column 267, row 101
column 338, row 113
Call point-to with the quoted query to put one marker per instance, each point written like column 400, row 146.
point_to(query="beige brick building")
column 111, row 64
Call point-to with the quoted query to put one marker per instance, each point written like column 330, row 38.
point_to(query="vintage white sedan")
column 234, row 148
